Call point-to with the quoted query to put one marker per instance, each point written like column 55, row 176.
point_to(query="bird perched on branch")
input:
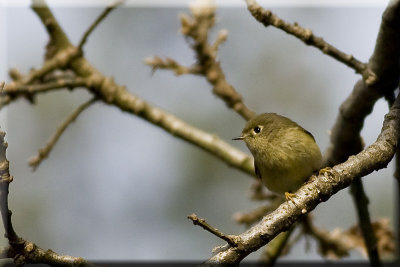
column 285, row 154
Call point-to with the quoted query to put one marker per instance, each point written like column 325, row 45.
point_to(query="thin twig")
column 230, row 239
column 102, row 16
column 171, row 64
column 58, row 61
column 267, row 18
column 16, row 88
column 44, row 152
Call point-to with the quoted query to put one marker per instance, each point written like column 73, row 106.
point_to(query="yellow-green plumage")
column 285, row 155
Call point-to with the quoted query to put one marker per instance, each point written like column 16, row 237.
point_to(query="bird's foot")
column 290, row 196
column 326, row 170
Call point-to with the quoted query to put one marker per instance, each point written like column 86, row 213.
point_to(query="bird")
column 285, row 154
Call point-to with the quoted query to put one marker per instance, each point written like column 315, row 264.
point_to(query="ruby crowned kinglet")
column 285, row 155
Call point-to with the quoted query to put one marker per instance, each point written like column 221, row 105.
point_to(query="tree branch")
column 107, row 90
column 230, row 239
column 267, row 18
column 44, row 152
column 57, row 36
column 361, row 200
column 99, row 19
column 345, row 134
column 384, row 62
column 320, row 188
column 196, row 27
column 20, row 250
column 15, row 88
column 58, row 61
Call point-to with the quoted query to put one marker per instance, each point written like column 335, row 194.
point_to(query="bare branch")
column 364, row 220
column 267, row 18
column 111, row 93
column 5, row 180
column 232, row 240
column 44, row 152
column 196, row 28
column 320, row 188
column 20, row 250
column 58, row 38
column 345, row 134
column 100, row 18
column 169, row 63
column 60, row 60
column 15, row 88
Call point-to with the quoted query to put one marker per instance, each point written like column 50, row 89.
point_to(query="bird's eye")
column 257, row 129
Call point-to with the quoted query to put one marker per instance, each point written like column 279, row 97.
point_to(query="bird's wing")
column 257, row 170
column 307, row 132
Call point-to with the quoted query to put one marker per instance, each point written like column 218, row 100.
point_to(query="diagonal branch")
column 44, row 152
column 100, row 18
column 320, row 188
column 230, row 239
column 268, row 18
column 58, row 38
column 345, row 134
column 108, row 91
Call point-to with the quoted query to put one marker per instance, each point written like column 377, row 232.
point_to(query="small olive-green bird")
column 285, row 154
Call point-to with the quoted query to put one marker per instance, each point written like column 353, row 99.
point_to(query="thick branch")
column 345, row 136
column 20, row 250
column 384, row 62
column 320, row 188
column 58, row 39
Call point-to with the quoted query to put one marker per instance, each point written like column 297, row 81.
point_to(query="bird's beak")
column 238, row 138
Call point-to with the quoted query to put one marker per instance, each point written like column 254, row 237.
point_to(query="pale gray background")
column 116, row 187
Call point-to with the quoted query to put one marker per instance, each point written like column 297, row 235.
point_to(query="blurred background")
column 118, row 188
